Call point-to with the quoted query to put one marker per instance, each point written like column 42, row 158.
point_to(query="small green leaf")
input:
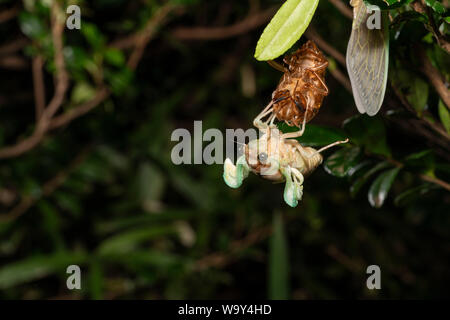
column 285, row 28
column 32, row 26
column 423, row 160
column 129, row 240
column 341, row 162
column 359, row 183
column 412, row 194
column 82, row 92
column 278, row 261
column 93, row 35
column 37, row 267
column 413, row 88
column 444, row 115
column 152, row 183
column 368, row 132
column 115, row 57
column 380, row 187
column 436, row 6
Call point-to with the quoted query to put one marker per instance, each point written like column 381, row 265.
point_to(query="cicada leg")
column 323, row 89
column 308, row 156
column 257, row 122
column 293, row 189
column 299, row 133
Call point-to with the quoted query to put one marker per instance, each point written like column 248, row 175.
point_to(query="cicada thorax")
column 302, row 87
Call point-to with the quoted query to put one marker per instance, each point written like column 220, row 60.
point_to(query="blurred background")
column 86, row 177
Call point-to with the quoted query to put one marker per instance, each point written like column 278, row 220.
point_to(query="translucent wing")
column 367, row 59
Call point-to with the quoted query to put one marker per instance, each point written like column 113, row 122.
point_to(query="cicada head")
column 263, row 155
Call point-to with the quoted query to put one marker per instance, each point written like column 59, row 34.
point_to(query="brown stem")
column 47, row 188
column 443, row 42
column 218, row 33
column 38, row 86
column 435, row 78
column 343, row 8
column 142, row 38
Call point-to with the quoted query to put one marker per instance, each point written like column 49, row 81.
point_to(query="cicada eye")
column 262, row 157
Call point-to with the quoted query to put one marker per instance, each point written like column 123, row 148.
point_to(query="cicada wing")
column 367, row 60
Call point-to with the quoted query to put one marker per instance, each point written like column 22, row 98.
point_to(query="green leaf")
column 424, row 160
column 413, row 88
column 31, row 25
column 285, row 28
column 380, row 187
column 115, row 57
column 444, row 115
column 368, row 132
column 315, row 135
column 127, row 241
column 341, row 162
column 152, row 183
column 412, row 194
column 37, row 267
column 82, row 92
column 278, row 261
column 436, row 6
column 359, row 183
column 93, row 35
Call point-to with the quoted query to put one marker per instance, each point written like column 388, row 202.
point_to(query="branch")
column 38, row 86
column 218, row 33
column 8, row 14
column 435, row 78
column 143, row 37
column 442, row 40
column 61, row 77
column 80, row 110
column 61, row 84
column 47, row 188
column 343, row 8
column 424, row 177
column 220, row 260
column 433, row 126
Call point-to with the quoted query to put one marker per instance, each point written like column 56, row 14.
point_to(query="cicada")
column 301, row 90
column 276, row 157
column 368, row 57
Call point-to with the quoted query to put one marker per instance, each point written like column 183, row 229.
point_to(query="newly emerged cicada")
column 276, row 156
column 300, row 93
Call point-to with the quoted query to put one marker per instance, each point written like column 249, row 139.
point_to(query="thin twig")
column 80, row 110
column 218, row 33
column 8, row 14
column 143, row 37
column 435, row 78
column 442, row 41
column 220, row 260
column 38, row 86
column 13, row 46
column 61, row 85
column 47, row 188
column 343, row 8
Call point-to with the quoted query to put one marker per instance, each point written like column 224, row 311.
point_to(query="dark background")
column 101, row 191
